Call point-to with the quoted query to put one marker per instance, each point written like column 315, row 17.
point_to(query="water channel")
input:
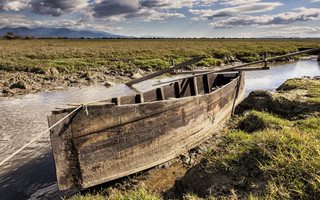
column 31, row 173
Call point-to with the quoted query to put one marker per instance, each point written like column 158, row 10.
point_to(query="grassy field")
column 70, row 55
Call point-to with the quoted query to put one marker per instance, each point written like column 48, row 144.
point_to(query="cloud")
column 19, row 20
column 305, row 14
column 294, row 31
column 109, row 8
column 169, row 4
column 315, row 1
column 16, row 20
column 122, row 10
column 7, row 5
column 231, row 11
column 238, row 2
column 57, row 7
column 153, row 15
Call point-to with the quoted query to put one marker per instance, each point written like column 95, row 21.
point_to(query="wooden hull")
column 123, row 136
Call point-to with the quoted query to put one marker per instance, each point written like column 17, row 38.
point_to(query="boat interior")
column 197, row 85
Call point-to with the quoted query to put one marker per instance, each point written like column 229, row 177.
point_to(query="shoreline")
column 21, row 83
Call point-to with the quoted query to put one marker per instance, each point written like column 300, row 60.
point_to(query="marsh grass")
column 312, row 87
column 70, row 55
column 139, row 193
column 288, row 159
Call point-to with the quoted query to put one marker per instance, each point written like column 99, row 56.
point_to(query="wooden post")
column 139, row 98
column 206, row 83
column 116, row 101
column 160, row 94
column 177, row 89
column 265, row 56
column 194, row 87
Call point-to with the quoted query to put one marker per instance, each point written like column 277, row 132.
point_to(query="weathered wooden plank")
column 150, row 96
column 194, row 86
column 206, row 84
column 177, row 89
column 128, row 99
column 167, row 70
column 139, row 98
column 115, row 141
column 160, row 94
column 231, row 68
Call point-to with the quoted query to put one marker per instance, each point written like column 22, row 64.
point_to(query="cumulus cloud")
column 231, row 11
column 145, row 10
column 315, row 0
column 294, row 31
column 7, row 5
column 153, row 15
column 305, row 14
column 17, row 20
column 169, row 4
column 57, row 7
column 238, row 2
column 109, row 8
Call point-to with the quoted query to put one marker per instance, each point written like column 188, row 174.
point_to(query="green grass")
column 312, row 87
column 287, row 159
column 137, row 194
column 70, row 55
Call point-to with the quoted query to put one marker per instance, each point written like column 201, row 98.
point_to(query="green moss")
column 256, row 120
column 207, row 62
column 248, row 59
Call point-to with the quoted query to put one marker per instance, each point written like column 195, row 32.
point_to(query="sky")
column 169, row 18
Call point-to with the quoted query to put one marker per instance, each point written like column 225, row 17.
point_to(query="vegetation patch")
column 256, row 120
column 75, row 54
column 140, row 193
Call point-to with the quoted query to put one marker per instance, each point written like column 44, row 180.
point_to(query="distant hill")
column 58, row 32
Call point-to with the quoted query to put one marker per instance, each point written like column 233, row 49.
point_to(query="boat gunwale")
column 70, row 107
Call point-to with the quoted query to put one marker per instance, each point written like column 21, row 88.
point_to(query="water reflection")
column 31, row 173
column 277, row 74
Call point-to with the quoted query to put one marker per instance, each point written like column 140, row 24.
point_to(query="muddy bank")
column 36, row 80
column 21, row 82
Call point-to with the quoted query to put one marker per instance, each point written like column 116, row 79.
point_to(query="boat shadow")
column 32, row 180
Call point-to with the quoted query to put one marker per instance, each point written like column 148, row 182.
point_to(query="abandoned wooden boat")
column 121, row 136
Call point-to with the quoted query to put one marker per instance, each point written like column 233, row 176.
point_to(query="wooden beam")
column 194, row 87
column 139, row 98
column 167, row 70
column 232, row 68
column 177, row 89
column 206, row 83
column 116, row 101
column 160, row 94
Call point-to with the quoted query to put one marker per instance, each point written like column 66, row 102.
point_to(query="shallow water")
column 277, row 74
column 31, row 173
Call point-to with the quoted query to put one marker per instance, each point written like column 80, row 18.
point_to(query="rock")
column 54, row 71
column 5, row 91
column 109, row 84
column 88, row 75
column 136, row 76
column 19, row 85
